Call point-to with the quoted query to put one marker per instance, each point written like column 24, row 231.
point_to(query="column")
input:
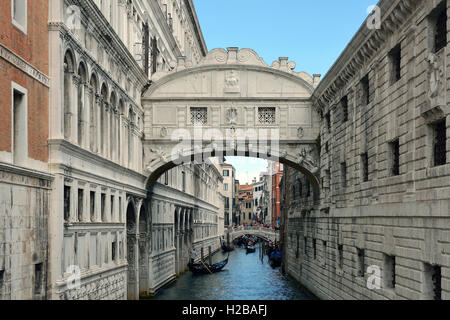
column 98, row 109
column 87, row 116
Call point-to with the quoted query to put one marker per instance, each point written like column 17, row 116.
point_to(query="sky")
column 313, row 33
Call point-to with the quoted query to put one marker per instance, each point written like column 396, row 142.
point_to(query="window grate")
column 440, row 36
column 365, row 166
column 440, row 143
column 199, row 116
column 266, row 115
column 395, row 158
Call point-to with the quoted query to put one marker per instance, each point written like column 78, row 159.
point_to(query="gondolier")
column 193, row 256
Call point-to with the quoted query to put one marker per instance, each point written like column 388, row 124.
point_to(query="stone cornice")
column 362, row 48
column 25, row 171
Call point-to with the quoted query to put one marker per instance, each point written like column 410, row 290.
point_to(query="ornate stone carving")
column 232, row 81
column 306, row 158
column 154, row 155
column 300, row 132
column 435, row 75
column 163, row 132
column 232, row 115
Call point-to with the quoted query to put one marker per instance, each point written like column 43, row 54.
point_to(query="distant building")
column 276, row 172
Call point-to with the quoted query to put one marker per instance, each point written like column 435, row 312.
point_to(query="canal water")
column 245, row 277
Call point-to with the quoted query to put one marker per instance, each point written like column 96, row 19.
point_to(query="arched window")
column 68, row 75
column 103, row 119
column 93, row 115
column 81, row 106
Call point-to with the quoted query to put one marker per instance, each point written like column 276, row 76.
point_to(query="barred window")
column 440, row 143
column 344, row 104
column 365, row 166
column 395, row 57
column 440, row 34
column 266, row 115
column 199, row 116
column 395, row 156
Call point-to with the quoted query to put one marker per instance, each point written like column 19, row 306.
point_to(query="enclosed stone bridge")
column 264, row 233
column 231, row 104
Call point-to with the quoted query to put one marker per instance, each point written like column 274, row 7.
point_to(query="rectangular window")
column 314, row 249
column 344, row 104
column 38, row 272
column 344, row 175
column 20, row 126
column 227, row 203
column 438, row 24
column 439, row 143
column 113, row 251
column 120, row 209
column 432, row 282
column 365, row 166
column 341, row 256
column 324, row 249
column 389, row 271
column 102, row 206
column 66, row 203
column 365, row 91
column 92, row 205
column 361, row 263
column 267, row 115
column 225, row 187
column 298, row 245
column 199, row 115
column 394, row 149
column 19, row 14
column 305, row 243
column 2, row 280
column 166, row 178
column 395, row 59
column 112, row 206
column 80, row 204
column 328, row 120
column 226, row 173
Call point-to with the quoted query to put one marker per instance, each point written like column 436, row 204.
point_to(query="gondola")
column 226, row 248
column 275, row 259
column 251, row 249
column 200, row 268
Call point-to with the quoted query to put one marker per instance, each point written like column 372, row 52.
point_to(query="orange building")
column 276, row 198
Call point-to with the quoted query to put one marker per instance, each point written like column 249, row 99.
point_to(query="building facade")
column 25, row 184
column 277, row 173
column 384, row 161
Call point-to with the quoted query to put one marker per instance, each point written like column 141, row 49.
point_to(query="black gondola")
column 251, row 249
column 201, row 268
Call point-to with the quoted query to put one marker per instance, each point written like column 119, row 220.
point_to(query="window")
column 308, row 188
column 305, row 243
column 20, row 125
column 226, row 173
column 112, row 206
column 227, row 203
column 225, row 187
column 199, row 116
column 166, row 178
column 439, row 143
column 439, row 27
column 344, row 104
column 38, row 278
column 324, row 248
column 66, row 203
column 92, row 205
column 314, row 249
column 395, row 59
column 113, row 251
column 80, row 204
column 2, row 279
column 341, row 256
column 298, row 245
column 394, row 149
column 389, row 272
column 365, row 91
column 19, row 14
column 266, row 115
column 361, row 263
column 365, row 166
column 328, row 120
column 102, row 207
column 344, row 174
column 432, row 282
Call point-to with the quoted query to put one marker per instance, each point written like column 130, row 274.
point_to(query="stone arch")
column 144, row 249
column 69, row 73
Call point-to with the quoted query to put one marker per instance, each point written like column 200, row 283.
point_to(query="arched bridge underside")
column 263, row 233
column 231, row 104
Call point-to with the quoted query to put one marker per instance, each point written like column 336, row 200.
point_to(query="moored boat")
column 203, row 268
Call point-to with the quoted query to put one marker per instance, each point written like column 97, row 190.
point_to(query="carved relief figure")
column 306, row 158
column 232, row 116
column 435, row 74
column 154, row 155
column 232, row 81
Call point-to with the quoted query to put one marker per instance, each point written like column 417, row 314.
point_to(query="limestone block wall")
column 24, row 197
column 371, row 216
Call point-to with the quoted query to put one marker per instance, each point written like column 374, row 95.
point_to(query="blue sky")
column 313, row 33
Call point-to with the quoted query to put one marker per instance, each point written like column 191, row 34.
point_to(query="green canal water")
column 245, row 277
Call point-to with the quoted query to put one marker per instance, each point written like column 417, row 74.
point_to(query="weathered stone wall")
column 381, row 215
column 24, row 197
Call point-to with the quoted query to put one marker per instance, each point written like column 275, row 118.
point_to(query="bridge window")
column 266, row 115
column 199, row 116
